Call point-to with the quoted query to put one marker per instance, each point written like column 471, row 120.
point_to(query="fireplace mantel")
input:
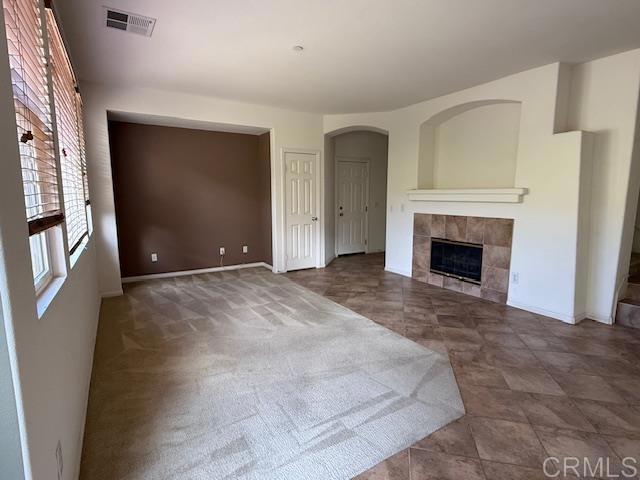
column 477, row 195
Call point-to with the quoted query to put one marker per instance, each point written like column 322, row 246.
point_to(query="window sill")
column 47, row 295
column 73, row 259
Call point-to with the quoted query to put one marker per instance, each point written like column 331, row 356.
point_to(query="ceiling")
column 359, row 55
column 146, row 119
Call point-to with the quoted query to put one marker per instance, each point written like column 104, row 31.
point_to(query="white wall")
column 604, row 100
column 50, row 356
column 374, row 147
column 477, row 148
column 288, row 129
column 10, row 453
column 545, row 252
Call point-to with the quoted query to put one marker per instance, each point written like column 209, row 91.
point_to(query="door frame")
column 319, row 235
column 344, row 158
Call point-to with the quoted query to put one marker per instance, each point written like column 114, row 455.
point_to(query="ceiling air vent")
column 129, row 22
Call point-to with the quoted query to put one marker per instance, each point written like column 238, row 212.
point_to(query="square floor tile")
column 611, row 418
column 588, row 448
column 426, row 465
column 454, row 439
column 627, row 387
column 492, row 402
column 625, row 446
column 507, row 442
column 554, row 411
column 478, row 374
column 588, row 387
column 501, row 471
column 530, row 380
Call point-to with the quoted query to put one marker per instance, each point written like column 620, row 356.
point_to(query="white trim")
column 42, row 281
column 75, row 256
column 319, row 202
column 471, row 195
column 329, row 260
column 183, row 273
column 578, row 317
column 112, row 293
column 48, row 293
column 620, row 292
column 599, row 318
column 277, row 205
column 399, row 271
column 322, row 225
column 571, row 319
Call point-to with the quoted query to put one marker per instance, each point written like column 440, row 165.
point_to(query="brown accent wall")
column 185, row 193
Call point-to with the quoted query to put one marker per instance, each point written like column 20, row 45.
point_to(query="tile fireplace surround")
column 494, row 234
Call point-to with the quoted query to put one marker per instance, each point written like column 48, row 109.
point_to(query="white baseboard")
column 183, row 273
column 547, row 313
column 578, row 317
column 600, row 318
column 399, row 271
column 112, row 293
column 329, row 260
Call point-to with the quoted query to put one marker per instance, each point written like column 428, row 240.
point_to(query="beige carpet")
column 246, row 375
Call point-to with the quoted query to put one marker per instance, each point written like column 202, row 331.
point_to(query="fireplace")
column 471, row 255
column 459, row 260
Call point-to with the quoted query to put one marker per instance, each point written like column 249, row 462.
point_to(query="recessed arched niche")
column 470, row 146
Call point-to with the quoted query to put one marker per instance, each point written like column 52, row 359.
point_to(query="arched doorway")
column 356, row 164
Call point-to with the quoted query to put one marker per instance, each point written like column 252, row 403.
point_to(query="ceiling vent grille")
column 129, row 22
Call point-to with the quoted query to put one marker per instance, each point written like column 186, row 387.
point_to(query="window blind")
column 25, row 40
column 70, row 141
column 82, row 149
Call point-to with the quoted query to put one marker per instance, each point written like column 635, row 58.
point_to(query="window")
column 31, row 95
column 68, row 110
column 40, row 260
column 30, row 29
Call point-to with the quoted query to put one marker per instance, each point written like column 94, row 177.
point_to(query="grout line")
column 484, row 473
column 477, row 459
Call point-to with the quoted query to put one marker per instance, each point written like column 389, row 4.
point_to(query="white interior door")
column 353, row 193
column 301, row 170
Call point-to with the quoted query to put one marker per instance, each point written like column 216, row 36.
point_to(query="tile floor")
column 533, row 387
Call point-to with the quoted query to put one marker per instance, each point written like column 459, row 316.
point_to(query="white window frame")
column 42, row 280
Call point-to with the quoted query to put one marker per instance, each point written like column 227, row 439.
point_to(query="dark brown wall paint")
column 185, row 193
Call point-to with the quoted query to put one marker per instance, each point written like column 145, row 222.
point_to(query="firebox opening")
column 459, row 260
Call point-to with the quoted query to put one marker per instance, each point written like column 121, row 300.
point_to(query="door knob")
column 341, row 214
column 314, row 219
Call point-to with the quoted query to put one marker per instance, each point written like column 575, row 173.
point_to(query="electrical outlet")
column 59, row 460
column 222, row 251
column 154, row 257
column 515, row 278
column 245, row 249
